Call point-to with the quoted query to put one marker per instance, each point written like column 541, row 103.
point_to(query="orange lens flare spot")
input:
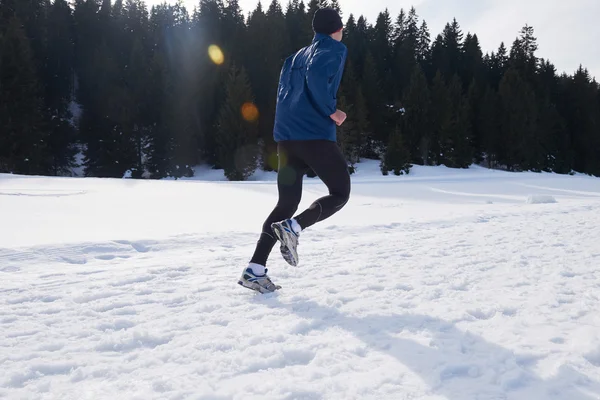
column 250, row 112
column 215, row 54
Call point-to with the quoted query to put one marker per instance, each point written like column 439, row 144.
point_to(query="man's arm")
column 320, row 73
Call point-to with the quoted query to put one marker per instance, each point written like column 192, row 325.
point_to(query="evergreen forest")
column 152, row 92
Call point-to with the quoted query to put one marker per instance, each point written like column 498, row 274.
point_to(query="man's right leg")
column 291, row 171
column 289, row 184
column 328, row 162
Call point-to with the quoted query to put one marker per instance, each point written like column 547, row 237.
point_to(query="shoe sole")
column 286, row 252
column 256, row 287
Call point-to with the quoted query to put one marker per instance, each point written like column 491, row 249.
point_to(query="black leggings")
column 295, row 158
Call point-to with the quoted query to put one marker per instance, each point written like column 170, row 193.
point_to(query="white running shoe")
column 289, row 241
column 259, row 283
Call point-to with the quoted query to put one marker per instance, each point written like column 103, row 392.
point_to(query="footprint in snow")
column 509, row 312
column 460, row 371
column 568, row 274
column 19, row 379
column 140, row 247
column 481, row 314
column 288, row 358
column 112, row 306
column 74, row 260
column 134, row 280
column 94, row 297
column 118, row 325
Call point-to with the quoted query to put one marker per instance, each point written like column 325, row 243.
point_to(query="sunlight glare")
column 215, row 54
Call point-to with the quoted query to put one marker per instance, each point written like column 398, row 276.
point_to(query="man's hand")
column 339, row 117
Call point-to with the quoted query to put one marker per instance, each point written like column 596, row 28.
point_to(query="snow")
column 541, row 199
column 443, row 284
column 76, row 110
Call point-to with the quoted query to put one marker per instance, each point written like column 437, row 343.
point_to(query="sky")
column 567, row 31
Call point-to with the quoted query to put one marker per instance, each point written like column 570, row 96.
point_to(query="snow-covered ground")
column 444, row 284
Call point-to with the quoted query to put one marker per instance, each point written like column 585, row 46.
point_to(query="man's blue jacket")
column 307, row 93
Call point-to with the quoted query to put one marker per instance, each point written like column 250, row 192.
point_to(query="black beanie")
column 327, row 21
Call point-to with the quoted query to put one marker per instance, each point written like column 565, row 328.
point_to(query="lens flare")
column 215, row 54
column 274, row 160
column 250, row 112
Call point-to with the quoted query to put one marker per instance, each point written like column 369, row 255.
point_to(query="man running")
column 305, row 132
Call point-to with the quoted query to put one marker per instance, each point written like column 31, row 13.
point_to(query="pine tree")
column 417, row 127
column 300, row 33
column 523, row 148
column 362, row 127
column 109, row 151
column 351, row 134
column 440, row 117
column 23, row 137
column 131, row 101
column 97, row 70
column 557, row 151
column 60, row 61
column 381, row 50
column 237, row 129
column 173, row 140
column 522, row 54
column 396, row 158
column 489, row 125
column 265, row 56
column 336, row 6
column 552, row 125
column 474, row 99
column 234, row 32
column 139, row 120
column 496, row 66
column 423, row 45
column 161, row 141
column 59, row 87
column 583, row 121
column 202, row 84
column 313, row 6
column 455, row 137
column 449, row 52
column 371, row 87
column 33, row 16
column 472, row 68
column 277, row 49
column 361, row 47
column 433, row 65
column 406, row 50
column 346, row 135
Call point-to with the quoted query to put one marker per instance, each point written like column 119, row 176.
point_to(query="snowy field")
column 444, row 284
